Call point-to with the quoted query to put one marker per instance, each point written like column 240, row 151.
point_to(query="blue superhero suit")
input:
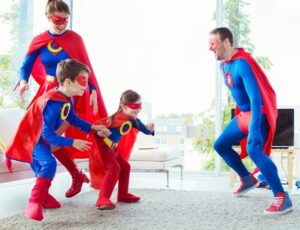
column 55, row 113
column 251, row 122
column 37, row 137
column 123, row 129
column 50, row 54
column 42, row 125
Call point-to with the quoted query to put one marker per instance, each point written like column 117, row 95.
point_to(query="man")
column 254, row 124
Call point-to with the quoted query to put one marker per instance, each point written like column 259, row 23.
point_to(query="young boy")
column 40, row 131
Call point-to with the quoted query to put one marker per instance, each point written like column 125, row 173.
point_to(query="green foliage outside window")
column 7, row 97
column 10, row 62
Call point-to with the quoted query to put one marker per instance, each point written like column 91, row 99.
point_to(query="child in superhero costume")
column 116, row 167
column 39, row 133
column 255, row 120
column 45, row 51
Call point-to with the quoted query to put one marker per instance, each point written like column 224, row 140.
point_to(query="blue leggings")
column 232, row 135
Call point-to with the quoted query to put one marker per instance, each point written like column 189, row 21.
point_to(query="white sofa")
column 159, row 159
column 147, row 157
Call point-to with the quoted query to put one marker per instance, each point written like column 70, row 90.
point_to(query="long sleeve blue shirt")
column 54, row 114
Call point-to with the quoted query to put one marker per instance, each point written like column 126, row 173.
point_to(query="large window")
column 274, row 33
column 16, row 30
column 156, row 47
column 160, row 49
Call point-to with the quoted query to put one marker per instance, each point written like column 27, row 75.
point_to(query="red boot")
column 110, row 178
column 37, row 198
column 123, row 195
column 34, row 211
column 51, row 202
column 77, row 182
column 128, row 198
column 107, row 187
column 105, row 204
column 78, row 177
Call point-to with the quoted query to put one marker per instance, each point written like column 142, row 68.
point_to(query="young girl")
column 116, row 167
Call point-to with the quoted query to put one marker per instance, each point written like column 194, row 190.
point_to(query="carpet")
column 164, row 209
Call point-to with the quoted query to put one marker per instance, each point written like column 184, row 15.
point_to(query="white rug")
column 164, row 209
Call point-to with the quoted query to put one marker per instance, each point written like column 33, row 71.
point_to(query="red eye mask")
column 82, row 80
column 213, row 44
column 134, row 105
column 57, row 20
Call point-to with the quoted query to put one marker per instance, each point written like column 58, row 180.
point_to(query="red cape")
column 73, row 45
column 30, row 127
column 268, row 98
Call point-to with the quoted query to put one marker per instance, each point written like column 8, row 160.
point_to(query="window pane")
column 160, row 49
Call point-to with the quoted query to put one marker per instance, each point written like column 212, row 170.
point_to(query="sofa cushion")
column 155, row 154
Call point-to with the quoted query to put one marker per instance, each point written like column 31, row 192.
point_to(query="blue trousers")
column 233, row 134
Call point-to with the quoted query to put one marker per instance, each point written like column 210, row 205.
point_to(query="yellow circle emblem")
column 65, row 111
column 125, row 128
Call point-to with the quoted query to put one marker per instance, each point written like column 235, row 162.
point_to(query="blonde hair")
column 56, row 5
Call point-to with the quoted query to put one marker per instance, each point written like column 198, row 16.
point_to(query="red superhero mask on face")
column 82, row 80
column 134, row 105
column 57, row 20
column 213, row 44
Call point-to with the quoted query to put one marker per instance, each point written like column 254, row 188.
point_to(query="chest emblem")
column 229, row 80
column 65, row 110
column 54, row 47
column 125, row 128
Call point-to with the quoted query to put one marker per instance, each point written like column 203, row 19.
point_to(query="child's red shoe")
column 51, row 202
column 105, row 204
column 34, row 211
column 128, row 198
